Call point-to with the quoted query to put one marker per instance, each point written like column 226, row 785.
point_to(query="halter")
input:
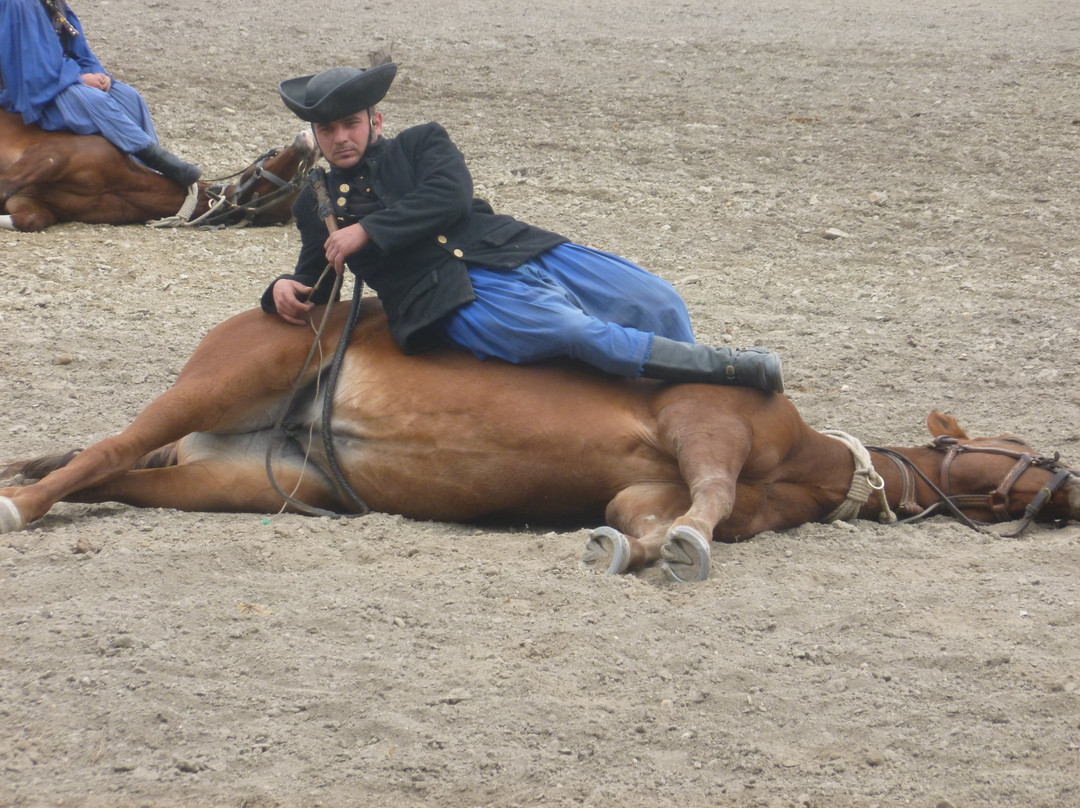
column 997, row 501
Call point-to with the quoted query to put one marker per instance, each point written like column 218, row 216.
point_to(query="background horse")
column 51, row 177
column 444, row 436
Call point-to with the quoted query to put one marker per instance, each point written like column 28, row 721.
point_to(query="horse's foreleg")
column 638, row 519
column 710, row 456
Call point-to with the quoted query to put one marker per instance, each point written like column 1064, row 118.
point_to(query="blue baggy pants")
column 570, row 301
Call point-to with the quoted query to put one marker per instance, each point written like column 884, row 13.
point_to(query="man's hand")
column 343, row 243
column 290, row 307
column 97, row 80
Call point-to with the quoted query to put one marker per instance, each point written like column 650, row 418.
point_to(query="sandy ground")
column 208, row 660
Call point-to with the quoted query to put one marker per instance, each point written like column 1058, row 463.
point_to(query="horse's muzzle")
column 304, row 143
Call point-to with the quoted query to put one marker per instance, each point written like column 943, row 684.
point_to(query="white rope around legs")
column 864, row 482
column 182, row 216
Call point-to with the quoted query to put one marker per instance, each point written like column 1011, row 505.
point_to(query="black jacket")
column 425, row 228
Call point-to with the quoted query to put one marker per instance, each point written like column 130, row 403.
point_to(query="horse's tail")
column 32, row 470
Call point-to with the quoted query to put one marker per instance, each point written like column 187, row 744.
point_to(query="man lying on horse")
column 449, row 270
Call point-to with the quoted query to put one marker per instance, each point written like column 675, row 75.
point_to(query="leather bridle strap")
column 997, row 501
column 943, row 498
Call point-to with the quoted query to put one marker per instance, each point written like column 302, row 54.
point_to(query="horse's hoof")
column 607, row 549
column 686, row 555
column 10, row 518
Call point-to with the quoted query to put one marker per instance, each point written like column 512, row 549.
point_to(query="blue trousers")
column 120, row 115
column 570, row 301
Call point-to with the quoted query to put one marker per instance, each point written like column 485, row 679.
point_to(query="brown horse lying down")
column 444, row 436
column 51, row 177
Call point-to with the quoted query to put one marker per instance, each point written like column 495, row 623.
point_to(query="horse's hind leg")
column 223, row 484
column 171, row 416
column 39, row 163
column 241, row 368
column 26, row 215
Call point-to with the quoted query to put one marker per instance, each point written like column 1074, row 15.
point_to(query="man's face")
column 344, row 141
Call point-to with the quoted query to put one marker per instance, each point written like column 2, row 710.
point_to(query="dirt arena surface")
column 156, row 658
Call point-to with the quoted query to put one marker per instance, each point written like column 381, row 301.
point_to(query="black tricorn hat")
column 337, row 92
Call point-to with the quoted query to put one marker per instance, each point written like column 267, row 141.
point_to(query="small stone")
column 834, row 232
column 84, row 545
column 63, row 359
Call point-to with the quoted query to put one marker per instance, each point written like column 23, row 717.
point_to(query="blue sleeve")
column 80, row 48
column 32, row 60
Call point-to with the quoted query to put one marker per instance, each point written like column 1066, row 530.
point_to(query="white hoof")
column 7, row 223
column 10, row 518
column 607, row 549
column 686, row 555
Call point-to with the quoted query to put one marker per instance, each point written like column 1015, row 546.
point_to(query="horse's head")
column 1003, row 478
column 264, row 191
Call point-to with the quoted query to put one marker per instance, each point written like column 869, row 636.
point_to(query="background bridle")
column 225, row 208
column 996, row 501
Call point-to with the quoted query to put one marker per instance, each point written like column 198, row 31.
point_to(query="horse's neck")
column 902, row 484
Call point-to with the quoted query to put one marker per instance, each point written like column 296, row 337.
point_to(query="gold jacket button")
column 344, row 188
column 441, row 239
column 341, row 201
column 458, row 254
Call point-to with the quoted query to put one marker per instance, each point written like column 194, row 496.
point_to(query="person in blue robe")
column 51, row 77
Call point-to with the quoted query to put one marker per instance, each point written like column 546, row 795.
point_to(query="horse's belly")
column 456, row 485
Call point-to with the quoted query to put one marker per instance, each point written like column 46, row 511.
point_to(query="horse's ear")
column 379, row 57
column 942, row 423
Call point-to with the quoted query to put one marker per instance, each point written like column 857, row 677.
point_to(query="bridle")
column 996, row 501
column 225, row 208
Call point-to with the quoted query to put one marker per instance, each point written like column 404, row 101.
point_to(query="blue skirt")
column 120, row 115
column 570, row 301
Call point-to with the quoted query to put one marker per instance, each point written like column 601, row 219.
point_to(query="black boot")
column 686, row 362
column 169, row 165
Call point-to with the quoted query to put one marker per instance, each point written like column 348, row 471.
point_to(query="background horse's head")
column 264, row 191
column 1000, row 479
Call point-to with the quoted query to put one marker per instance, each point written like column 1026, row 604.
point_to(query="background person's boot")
column 169, row 165
column 686, row 362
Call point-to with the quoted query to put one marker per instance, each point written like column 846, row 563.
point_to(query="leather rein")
column 996, row 501
column 315, row 177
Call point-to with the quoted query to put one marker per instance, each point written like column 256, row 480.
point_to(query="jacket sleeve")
column 441, row 193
